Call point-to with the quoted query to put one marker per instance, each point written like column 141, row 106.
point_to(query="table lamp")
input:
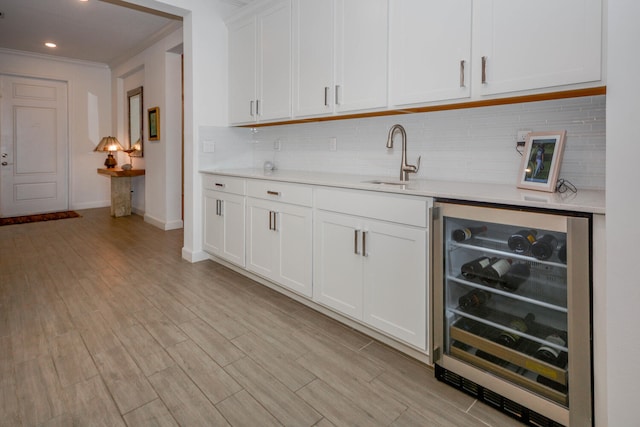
column 110, row 144
column 136, row 147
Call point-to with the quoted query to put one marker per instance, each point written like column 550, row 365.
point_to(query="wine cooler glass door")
column 504, row 282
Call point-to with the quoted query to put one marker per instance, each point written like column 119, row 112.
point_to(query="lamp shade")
column 109, row 143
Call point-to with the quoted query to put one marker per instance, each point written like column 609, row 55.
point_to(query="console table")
column 120, row 189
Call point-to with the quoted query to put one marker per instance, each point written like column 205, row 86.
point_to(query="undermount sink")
column 385, row 182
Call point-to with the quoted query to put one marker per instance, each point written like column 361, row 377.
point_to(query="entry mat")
column 38, row 217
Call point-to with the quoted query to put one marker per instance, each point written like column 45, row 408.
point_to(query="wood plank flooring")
column 103, row 323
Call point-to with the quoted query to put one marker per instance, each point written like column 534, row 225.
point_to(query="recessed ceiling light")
column 49, row 44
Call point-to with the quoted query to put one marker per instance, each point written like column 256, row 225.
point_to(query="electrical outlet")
column 333, row 144
column 208, row 146
column 521, row 139
column 277, row 146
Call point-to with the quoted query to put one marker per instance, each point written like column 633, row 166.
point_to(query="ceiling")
column 93, row 30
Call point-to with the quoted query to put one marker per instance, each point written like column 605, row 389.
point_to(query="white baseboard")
column 171, row 225
column 194, row 256
column 90, row 205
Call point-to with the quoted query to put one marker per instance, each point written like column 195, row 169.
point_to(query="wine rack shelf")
column 514, row 377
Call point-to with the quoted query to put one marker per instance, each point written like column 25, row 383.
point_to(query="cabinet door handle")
column 326, row 96
column 273, row 193
column 217, row 207
column 484, row 70
column 462, row 73
column 270, row 220
column 251, row 108
column 275, row 221
column 364, row 243
column 355, row 242
column 257, row 107
column 337, row 95
column 221, row 207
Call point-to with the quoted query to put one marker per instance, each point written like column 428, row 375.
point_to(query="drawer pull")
column 273, row 193
column 219, row 185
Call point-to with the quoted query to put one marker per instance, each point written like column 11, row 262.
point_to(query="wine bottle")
column 462, row 234
column 471, row 269
column 551, row 354
column 495, row 272
column 491, row 358
column 521, row 241
column 562, row 253
column 473, row 299
column 511, row 339
column 516, row 276
column 544, row 246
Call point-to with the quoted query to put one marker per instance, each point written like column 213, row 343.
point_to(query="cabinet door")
column 224, row 226
column 313, row 29
column 242, row 72
column 539, row 44
column 294, row 229
column 213, row 223
column 430, row 50
column 274, row 63
column 361, row 54
column 262, row 242
column 337, row 269
column 395, row 290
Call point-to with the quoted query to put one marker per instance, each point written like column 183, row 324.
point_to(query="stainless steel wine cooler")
column 511, row 310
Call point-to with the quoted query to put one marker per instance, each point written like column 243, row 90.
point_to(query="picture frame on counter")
column 541, row 159
column 154, row 123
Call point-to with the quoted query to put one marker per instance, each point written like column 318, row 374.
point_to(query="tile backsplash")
column 476, row 144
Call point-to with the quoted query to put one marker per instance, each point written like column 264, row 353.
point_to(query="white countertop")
column 591, row 201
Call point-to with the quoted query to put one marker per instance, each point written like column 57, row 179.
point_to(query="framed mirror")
column 134, row 113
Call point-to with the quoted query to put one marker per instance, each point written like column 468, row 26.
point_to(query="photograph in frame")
column 541, row 160
column 154, row 123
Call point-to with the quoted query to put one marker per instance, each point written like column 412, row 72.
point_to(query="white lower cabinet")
column 373, row 271
column 224, row 226
column 279, row 243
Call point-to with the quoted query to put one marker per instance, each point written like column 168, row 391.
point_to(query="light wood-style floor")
column 103, row 323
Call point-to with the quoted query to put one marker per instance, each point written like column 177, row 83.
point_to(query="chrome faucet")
column 405, row 168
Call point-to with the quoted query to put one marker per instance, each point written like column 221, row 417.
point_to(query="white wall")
column 623, row 205
column 158, row 193
column 205, row 92
column 88, row 83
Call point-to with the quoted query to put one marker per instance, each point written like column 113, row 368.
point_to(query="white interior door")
column 33, row 146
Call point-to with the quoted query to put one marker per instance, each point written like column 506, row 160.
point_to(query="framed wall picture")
column 154, row 123
column 541, row 160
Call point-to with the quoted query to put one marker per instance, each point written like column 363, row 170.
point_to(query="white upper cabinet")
column 536, row 44
column 260, row 66
column 242, row 72
column 339, row 56
column 430, row 51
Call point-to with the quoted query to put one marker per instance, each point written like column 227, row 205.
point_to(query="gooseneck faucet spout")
column 405, row 168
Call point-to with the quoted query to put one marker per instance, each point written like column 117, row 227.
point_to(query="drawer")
column 226, row 184
column 410, row 210
column 281, row 192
